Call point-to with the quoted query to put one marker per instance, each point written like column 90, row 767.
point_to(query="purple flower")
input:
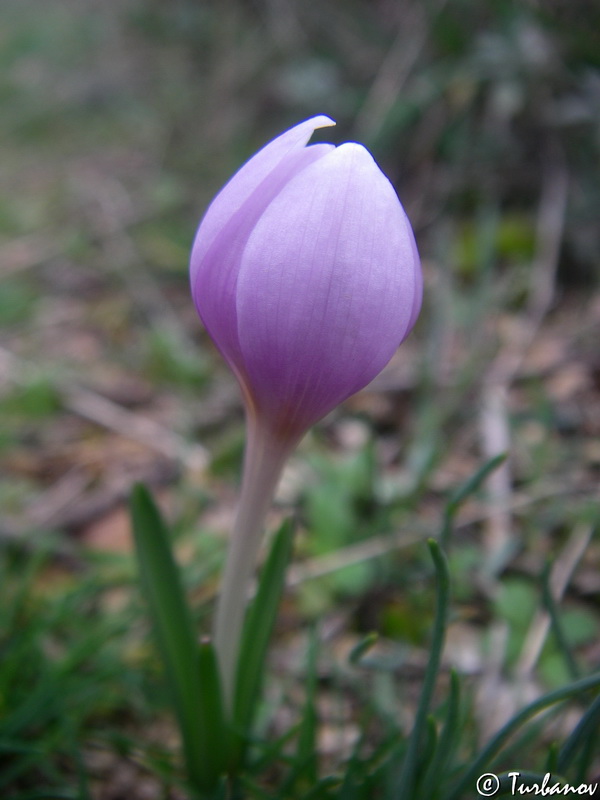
column 306, row 275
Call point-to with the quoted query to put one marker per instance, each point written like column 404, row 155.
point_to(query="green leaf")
column 473, row 483
column 464, row 491
column 558, row 629
column 303, row 763
column 416, row 739
column 258, row 627
column 191, row 669
column 363, row 647
column 438, row 766
column 306, row 755
column 586, row 729
column 430, row 741
column 497, row 742
column 213, row 717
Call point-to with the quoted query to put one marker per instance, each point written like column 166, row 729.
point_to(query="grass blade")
column 415, row 742
column 306, row 754
column 587, row 727
column 258, row 627
column 497, row 742
column 557, row 626
column 439, row 763
column 190, row 669
column 463, row 492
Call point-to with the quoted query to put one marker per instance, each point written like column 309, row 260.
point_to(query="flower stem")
column 264, row 460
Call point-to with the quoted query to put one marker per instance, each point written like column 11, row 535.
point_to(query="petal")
column 247, row 179
column 326, row 289
column 224, row 231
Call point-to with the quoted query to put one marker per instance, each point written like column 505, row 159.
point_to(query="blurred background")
column 119, row 122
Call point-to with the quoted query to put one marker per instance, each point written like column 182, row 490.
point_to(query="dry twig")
column 92, row 406
column 562, row 571
column 494, row 424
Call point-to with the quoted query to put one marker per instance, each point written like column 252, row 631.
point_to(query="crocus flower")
column 306, row 274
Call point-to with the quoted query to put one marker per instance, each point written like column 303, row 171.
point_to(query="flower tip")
column 322, row 121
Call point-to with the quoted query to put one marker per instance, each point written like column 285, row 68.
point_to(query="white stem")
column 263, row 463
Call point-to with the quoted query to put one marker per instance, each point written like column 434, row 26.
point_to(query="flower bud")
column 306, row 275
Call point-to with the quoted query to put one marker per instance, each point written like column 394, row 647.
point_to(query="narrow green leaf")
column 557, row 626
column 214, row 718
column 188, row 667
column 438, row 766
column 430, row 740
column 586, row 727
column 473, row 483
column 552, row 758
column 363, row 647
column 303, row 763
column 322, row 789
column 463, row 492
column 493, row 747
column 253, row 790
column 306, row 756
column 415, row 743
column 273, row 751
column 39, row 706
column 588, row 754
column 258, row 627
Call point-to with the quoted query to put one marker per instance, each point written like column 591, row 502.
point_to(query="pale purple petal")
column 326, row 288
column 246, row 180
column 223, row 233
